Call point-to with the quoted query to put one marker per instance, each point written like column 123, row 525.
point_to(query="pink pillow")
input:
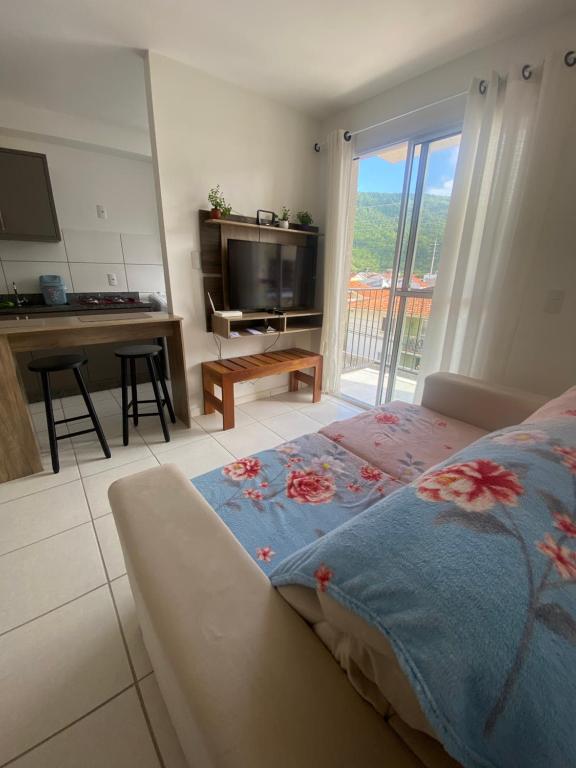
column 563, row 406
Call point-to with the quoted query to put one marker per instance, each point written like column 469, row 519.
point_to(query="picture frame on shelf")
column 265, row 218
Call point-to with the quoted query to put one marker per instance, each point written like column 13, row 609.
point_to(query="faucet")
column 19, row 302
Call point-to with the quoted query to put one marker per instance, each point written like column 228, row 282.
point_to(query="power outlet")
column 101, row 212
column 112, row 278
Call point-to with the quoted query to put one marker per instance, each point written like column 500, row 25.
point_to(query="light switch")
column 112, row 278
column 554, row 301
column 195, row 257
column 101, row 212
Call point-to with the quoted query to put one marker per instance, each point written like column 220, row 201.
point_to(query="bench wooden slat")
column 230, row 364
column 289, row 353
column 278, row 357
column 216, row 367
column 304, row 352
column 252, row 359
column 243, row 363
column 284, row 356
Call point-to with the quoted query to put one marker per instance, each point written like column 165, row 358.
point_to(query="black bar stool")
column 47, row 365
column 150, row 353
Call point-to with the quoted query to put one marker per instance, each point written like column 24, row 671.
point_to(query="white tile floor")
column 362, row 384
column 77, row 684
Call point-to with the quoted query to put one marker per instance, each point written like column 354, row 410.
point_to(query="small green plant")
column 304, row 218
column 285, row 215
column 218, row 201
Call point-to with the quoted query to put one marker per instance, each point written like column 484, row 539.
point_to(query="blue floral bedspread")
column 282, row 499
column 471, row 574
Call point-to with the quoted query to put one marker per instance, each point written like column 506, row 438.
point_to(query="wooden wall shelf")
column 223, row 222
column 292, row 321
column 214, row 236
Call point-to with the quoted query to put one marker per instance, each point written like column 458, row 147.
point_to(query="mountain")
column 376, row 225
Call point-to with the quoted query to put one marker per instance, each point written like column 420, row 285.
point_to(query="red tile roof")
column 377, row 300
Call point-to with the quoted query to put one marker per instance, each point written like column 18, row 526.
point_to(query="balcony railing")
column 365, row 324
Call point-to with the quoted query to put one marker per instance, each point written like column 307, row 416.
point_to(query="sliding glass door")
column 401, row 209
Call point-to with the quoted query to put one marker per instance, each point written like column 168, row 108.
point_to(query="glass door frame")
column 391, row 342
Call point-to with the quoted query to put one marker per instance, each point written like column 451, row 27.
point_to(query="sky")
column 377, row 175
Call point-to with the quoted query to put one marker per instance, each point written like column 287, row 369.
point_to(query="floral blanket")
column 470, row 572
column 282, row 499
column 402, row 439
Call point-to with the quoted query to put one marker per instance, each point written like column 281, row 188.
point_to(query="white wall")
column 444, row 81
column 125, row 244
column 19, row 118
column 544, row 356
column 206, row 132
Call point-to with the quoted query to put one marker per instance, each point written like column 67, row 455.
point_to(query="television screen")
column 298, row 267
column 253, row 275
column 270, row 276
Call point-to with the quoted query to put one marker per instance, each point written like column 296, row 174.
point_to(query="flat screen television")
column 265, row 276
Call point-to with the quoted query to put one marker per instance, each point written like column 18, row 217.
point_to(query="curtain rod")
column 569, row 60
column 348, row 134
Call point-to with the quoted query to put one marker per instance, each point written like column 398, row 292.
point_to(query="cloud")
column 444, row 191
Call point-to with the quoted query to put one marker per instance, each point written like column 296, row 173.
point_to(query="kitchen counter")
column 35, row 309
column 79, row 303
column 28, row 329
column 19, row 453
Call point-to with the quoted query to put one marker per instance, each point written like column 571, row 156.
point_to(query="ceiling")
column 81, row 56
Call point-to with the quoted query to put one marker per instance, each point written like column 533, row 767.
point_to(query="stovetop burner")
column 109, row 300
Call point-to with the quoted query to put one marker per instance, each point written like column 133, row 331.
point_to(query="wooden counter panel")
column 47, row 339
column 19, row 454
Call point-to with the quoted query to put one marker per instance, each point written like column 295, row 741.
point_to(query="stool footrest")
column 131, row 405
column 72, row 418
column 75, row 434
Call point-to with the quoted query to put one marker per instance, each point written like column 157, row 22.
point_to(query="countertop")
column 77, row 309
column 75, row 322
column 34, row 304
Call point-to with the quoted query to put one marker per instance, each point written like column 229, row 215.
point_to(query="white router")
column 224, row 312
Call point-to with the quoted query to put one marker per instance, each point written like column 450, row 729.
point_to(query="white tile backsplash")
column 97, row 247
column 12, row 250
column 145, row 278
column 3, row 285
column 26, row 274
column 84, row 259
column 91, row 278
column 141, row 249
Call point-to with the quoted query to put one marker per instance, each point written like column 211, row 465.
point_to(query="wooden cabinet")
column 27, row 210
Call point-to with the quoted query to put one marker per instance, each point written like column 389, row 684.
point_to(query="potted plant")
column 219, row 206
column 305, row 219
column 284, row 219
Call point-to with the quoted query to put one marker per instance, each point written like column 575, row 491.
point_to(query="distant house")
column 370, row 292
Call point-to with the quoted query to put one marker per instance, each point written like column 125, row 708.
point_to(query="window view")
column 401, row 209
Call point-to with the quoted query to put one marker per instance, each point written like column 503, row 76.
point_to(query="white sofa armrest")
column 246, row 681
column 485, row 405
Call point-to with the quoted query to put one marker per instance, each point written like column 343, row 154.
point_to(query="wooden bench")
column 225, row 373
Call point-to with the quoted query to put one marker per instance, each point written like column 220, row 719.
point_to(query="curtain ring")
column 483, row 87
column 570, row 59
column 316, row 147
column 347, row 135
column 526, row 72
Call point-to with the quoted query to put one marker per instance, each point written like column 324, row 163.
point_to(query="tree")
column 376, row 226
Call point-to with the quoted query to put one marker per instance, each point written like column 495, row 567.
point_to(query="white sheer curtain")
column 340, row 195
column 497, row 204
